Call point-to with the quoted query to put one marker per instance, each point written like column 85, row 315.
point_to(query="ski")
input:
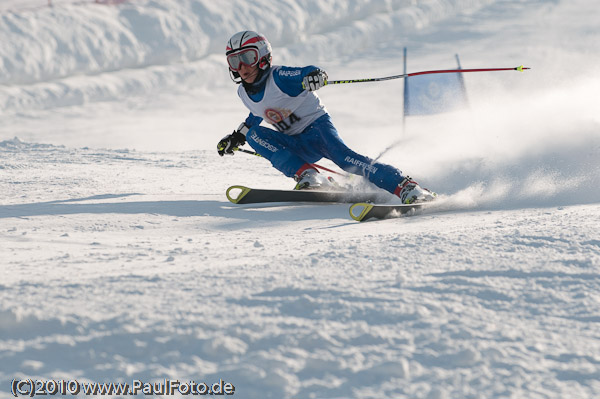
column 247, row 195
column 362, row 211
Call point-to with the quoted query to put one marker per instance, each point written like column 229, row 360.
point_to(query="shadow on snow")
column 177, row 208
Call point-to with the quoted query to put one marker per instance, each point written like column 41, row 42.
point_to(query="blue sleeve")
column 289, row 79
column 253, row 120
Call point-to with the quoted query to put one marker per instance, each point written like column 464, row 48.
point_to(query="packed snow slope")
column 122, row 260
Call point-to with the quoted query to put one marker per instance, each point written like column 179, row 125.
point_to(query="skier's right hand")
column 315, row 80
column 231, row 142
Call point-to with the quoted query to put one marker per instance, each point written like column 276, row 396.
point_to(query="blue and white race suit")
column 303, row 132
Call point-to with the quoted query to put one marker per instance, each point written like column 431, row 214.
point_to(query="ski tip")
column 362, row 209
column 521, row 68
column 234, row 196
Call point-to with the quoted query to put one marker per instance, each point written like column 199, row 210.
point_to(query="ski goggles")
column 248, row 57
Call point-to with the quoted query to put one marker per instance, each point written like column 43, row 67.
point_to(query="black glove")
column 315, row 80
column 231, row 142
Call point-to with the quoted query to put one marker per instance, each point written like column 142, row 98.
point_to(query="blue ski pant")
column 319, row 140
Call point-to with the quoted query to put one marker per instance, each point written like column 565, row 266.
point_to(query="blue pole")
column 405, row 96
column 462, row 81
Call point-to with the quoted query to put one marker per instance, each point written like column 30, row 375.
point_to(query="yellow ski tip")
column 236, row 198
column 362, row 209
column 521, row 68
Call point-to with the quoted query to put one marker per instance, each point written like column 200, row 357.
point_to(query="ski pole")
column 520, row 68
column 247, row 152
column 313, row 164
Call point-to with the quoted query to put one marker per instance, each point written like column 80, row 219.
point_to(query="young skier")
column 285, row 98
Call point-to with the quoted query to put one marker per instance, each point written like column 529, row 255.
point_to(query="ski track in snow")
column 122, row 259
column 445, row 304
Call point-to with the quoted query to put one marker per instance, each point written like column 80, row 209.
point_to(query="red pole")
column 464, row 70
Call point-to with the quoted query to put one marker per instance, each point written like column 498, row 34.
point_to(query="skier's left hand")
column 230, row 143
column 315, row 80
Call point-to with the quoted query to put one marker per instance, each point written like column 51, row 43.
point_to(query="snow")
column 122, row 259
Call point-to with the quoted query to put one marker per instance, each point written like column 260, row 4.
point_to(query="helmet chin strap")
column 235, row 76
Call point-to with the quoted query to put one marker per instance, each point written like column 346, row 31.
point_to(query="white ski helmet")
column 248, row 48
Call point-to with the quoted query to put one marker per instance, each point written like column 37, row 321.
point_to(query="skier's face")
column 248, row 73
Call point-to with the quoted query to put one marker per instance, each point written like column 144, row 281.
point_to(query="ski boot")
column 410, row 192
column 311, row 179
